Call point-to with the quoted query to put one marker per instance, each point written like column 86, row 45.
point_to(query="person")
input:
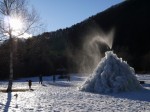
column 40, row 79
column 30, row 84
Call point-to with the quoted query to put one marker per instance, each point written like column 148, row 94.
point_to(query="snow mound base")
column 112, row 75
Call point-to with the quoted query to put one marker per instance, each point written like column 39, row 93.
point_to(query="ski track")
column 63, row 96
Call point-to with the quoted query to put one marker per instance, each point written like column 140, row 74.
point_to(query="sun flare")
column 17, row 27
column 16, row 24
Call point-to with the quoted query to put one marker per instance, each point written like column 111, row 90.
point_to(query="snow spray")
column 96, row 43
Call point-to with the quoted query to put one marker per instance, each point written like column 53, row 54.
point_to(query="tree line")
column 48, row 52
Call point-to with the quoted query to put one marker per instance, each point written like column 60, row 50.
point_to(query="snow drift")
column 111, row 75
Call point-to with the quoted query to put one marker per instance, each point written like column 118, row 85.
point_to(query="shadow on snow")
column 141, row 95
column 61, row 84
column 9, row 97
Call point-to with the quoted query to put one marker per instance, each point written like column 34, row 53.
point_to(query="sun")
column 15, row 24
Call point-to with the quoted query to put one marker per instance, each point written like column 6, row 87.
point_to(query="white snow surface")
column 63, row 96
column 111, row 75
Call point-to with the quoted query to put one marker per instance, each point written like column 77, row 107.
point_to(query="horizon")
column 57, row 15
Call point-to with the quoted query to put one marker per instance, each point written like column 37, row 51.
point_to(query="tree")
column 16, row 20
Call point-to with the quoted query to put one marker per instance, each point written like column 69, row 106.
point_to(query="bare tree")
column 12, row 14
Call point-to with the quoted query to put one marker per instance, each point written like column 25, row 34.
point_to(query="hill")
column 124, row 28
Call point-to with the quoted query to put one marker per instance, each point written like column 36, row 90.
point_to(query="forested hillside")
column 124, row 28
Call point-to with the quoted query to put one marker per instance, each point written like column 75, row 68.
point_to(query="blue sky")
column 56, row 14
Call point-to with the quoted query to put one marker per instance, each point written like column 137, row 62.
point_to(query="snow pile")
column 111, row 75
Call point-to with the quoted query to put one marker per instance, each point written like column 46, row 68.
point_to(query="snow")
column 111, row 75
column 63, row 96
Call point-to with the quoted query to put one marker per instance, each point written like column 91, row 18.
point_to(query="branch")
column 28, row 28
column 2, row 10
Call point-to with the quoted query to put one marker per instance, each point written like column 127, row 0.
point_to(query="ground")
column 64, row 96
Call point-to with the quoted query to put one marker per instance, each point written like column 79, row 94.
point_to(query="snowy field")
column 63, row 96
